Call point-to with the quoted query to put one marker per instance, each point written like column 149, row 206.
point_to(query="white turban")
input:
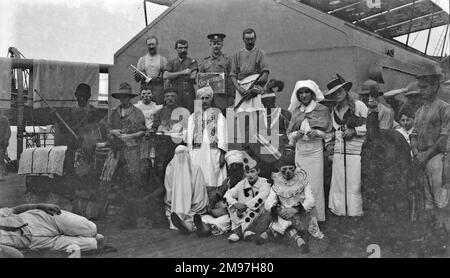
column 295, row 103
column 205, row 91
column 234, row 156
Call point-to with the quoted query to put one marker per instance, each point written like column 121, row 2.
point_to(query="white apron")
column 252, row 108
column 309, row 155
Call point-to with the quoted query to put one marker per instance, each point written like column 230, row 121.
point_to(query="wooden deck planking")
column 161, row 242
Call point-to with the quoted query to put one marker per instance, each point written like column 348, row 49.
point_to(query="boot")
column 263, row 237
column 249, row 236
column 299, row 241
column 177, row 222
column 203, row 230
column 314, row 229
column 236, row 235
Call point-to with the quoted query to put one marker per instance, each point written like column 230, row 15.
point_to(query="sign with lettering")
column 213, row 79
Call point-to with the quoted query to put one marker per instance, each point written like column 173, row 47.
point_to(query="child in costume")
column 290, row 202
column 246, row 200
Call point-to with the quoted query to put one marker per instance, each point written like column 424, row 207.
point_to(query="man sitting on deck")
column 217, row 221
column 47, row 227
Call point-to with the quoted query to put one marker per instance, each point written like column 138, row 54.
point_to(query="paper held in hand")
column 215, row 80
column 134, row 70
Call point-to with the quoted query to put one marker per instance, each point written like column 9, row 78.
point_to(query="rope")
column 437, row 48
column 417, row 35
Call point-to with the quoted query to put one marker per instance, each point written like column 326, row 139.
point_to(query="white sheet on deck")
column 42, row 161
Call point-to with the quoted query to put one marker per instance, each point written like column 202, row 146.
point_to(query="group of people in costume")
column 214, row 184
column 236, row 163
column 218, row 179
column 359, row 136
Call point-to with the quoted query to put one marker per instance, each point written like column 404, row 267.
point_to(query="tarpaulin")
column 57, row 81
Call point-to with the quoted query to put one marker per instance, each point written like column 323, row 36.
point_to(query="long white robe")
column 206, row 157
column 186, row 193
column 309, row 157
column 337, row 200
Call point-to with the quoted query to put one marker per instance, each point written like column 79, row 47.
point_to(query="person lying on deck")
column 47, row 227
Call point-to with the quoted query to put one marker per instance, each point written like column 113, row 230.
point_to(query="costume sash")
column 212, row 122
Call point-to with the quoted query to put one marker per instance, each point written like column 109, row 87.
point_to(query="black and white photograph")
column 227, row 135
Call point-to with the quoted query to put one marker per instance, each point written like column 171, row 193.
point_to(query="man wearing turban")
column 206, row 138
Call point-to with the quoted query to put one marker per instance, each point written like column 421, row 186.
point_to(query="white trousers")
column 59, row 231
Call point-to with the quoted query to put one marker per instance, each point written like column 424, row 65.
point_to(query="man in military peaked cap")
column 218, row 62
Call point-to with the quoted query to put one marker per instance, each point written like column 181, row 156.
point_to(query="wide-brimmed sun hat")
column 337, row 83
column 124, row 90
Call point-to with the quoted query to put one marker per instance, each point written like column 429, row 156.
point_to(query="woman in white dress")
column 349, row 122
column 309, row 126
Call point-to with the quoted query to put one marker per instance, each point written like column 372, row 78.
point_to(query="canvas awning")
column 390, row 19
